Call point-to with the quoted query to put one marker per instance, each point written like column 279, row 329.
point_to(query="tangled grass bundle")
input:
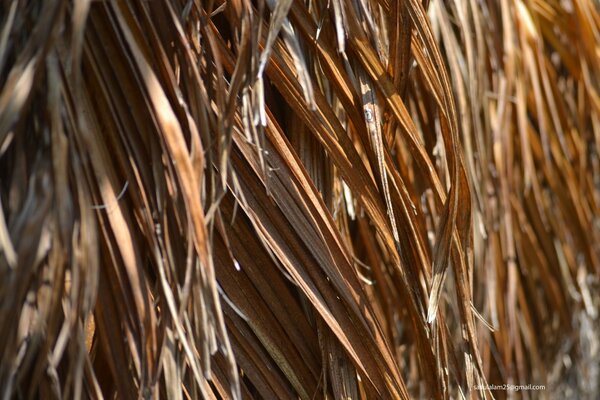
column 354, row 199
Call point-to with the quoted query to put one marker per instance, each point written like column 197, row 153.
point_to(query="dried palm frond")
column 299, row 199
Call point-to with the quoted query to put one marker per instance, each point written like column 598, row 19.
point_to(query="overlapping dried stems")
column 299, row 199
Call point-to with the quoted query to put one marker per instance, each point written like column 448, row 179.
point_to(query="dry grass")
column 299, row 199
